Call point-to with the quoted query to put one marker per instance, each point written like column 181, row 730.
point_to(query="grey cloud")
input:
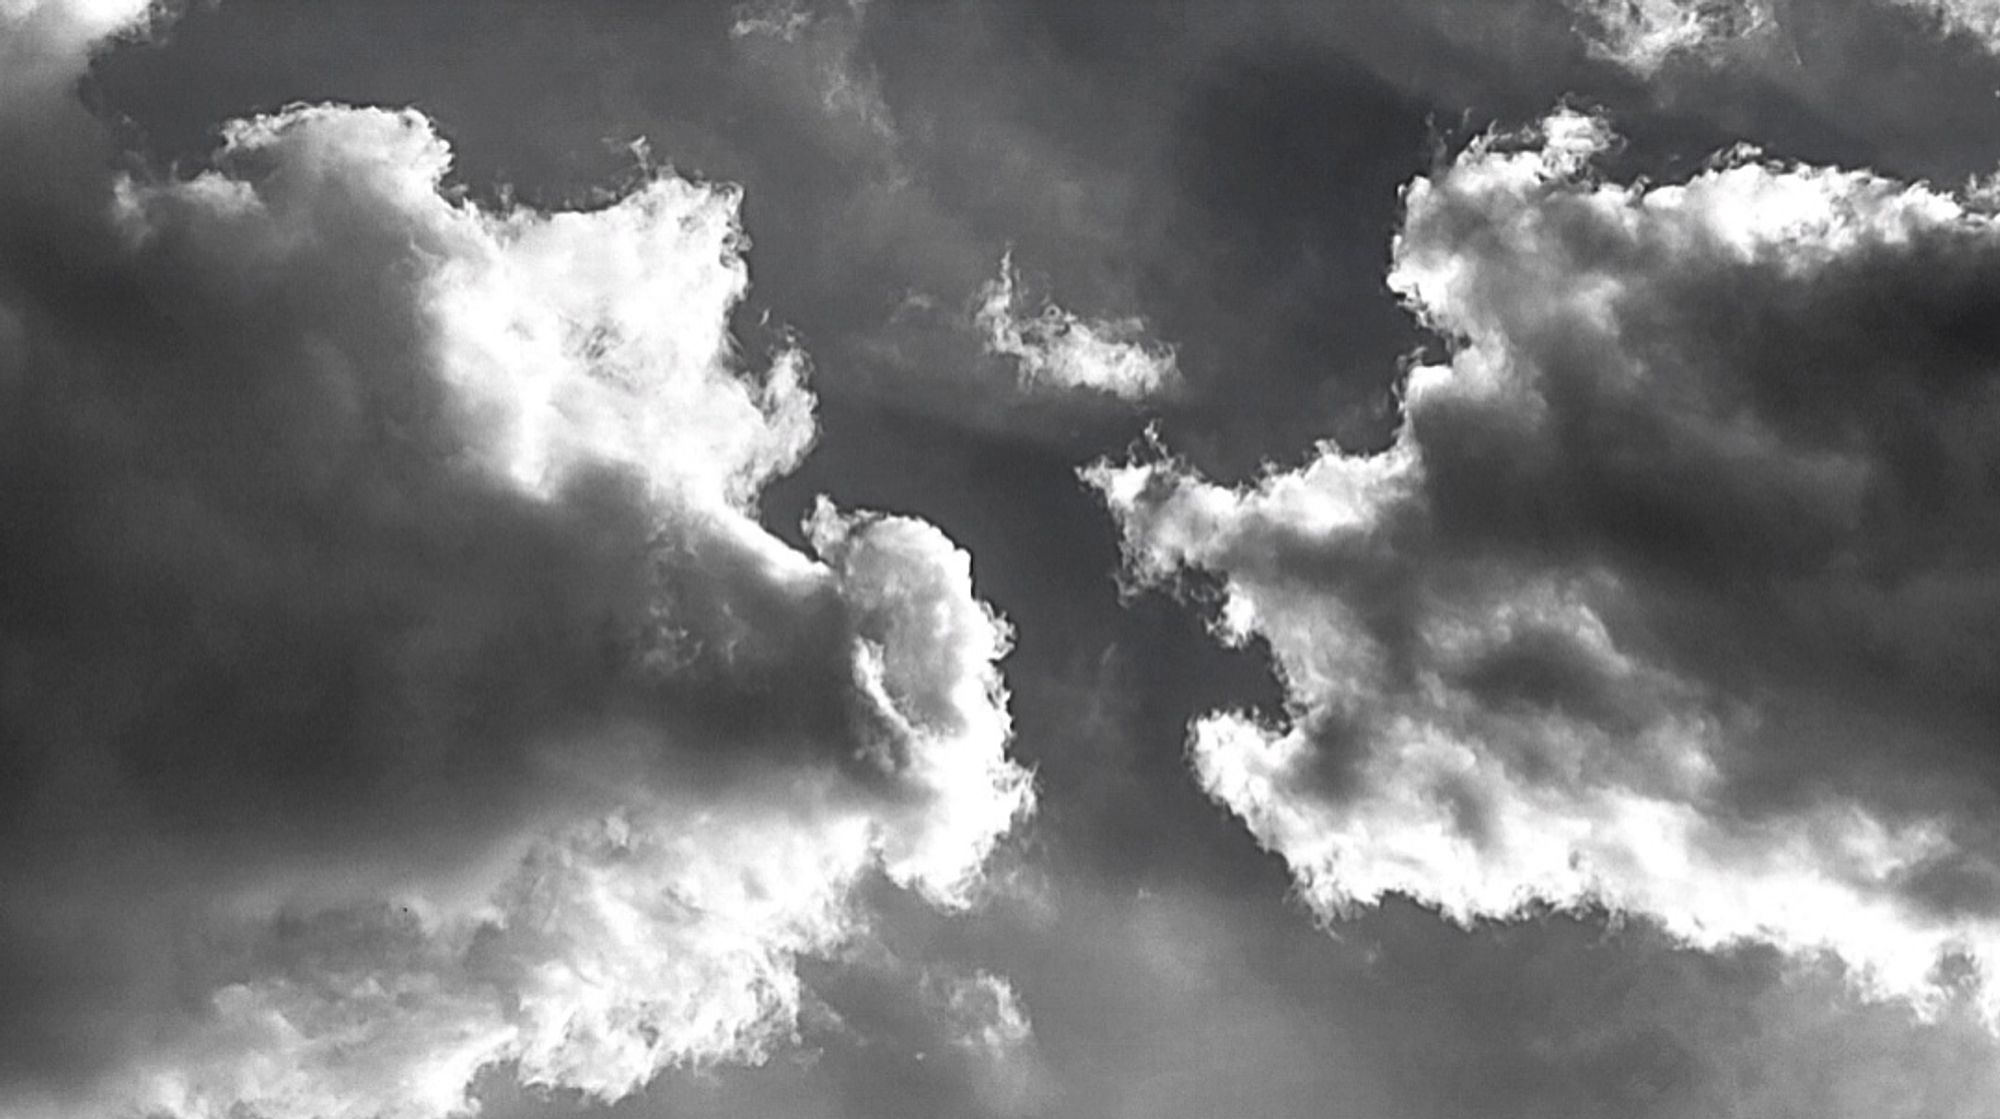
column 396, row 679
column 1228, row 176
column 1187, row 999
column 1645, row 34
column 1235, row 181
column 1674, row 592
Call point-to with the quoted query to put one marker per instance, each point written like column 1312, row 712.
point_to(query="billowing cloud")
column 396, row 680
column 1055, row 348
column 1678, row 591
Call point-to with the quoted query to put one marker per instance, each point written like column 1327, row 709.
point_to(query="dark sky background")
column 1230, row 175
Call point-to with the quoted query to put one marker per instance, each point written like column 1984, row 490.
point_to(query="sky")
column 858, row 559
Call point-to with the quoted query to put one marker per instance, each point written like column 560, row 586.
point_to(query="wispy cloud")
column 1644, row 34
column 1056, row 349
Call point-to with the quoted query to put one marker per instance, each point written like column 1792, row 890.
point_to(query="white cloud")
column 1978, row 18
column 62, row 30
column 403, row 681
column 1675, row 593
column 1643, row 35
column 1054, row 348
column 780, row 19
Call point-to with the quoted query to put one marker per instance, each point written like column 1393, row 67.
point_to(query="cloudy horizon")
column 856, row 558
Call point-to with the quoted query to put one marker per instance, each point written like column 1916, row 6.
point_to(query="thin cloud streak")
column 1056, row 349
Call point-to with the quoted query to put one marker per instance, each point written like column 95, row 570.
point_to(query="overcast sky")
column 1434, row 559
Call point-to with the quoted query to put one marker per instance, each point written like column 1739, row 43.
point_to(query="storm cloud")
column 467, row 649
column 396, row 679
column 1676, row 592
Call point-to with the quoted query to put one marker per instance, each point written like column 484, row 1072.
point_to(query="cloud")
column 781, row 19
column 820, row 51
column 1678, row 591
column 984, row 1013
column 987, row 1024
column 1978, row 18
column 957, row 1035
column 1643, row 35
column 396, row 680
column 1055, row 348
column 62, row 31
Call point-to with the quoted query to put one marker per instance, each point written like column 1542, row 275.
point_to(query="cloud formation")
column 1644, row 34
column 824, row 48
column 395, row 679
column 1055, row 348
column 1678, row 591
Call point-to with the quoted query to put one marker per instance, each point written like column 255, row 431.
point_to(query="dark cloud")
column 1228, row 178
column 1674, row 591
column 1185, row 1002
column 396, row 679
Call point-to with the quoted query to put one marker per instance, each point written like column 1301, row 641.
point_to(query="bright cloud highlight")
column 1674, row 592
column 398, row 681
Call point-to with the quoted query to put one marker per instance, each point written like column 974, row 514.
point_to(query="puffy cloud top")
column 394, row 677
column 1679, row 589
